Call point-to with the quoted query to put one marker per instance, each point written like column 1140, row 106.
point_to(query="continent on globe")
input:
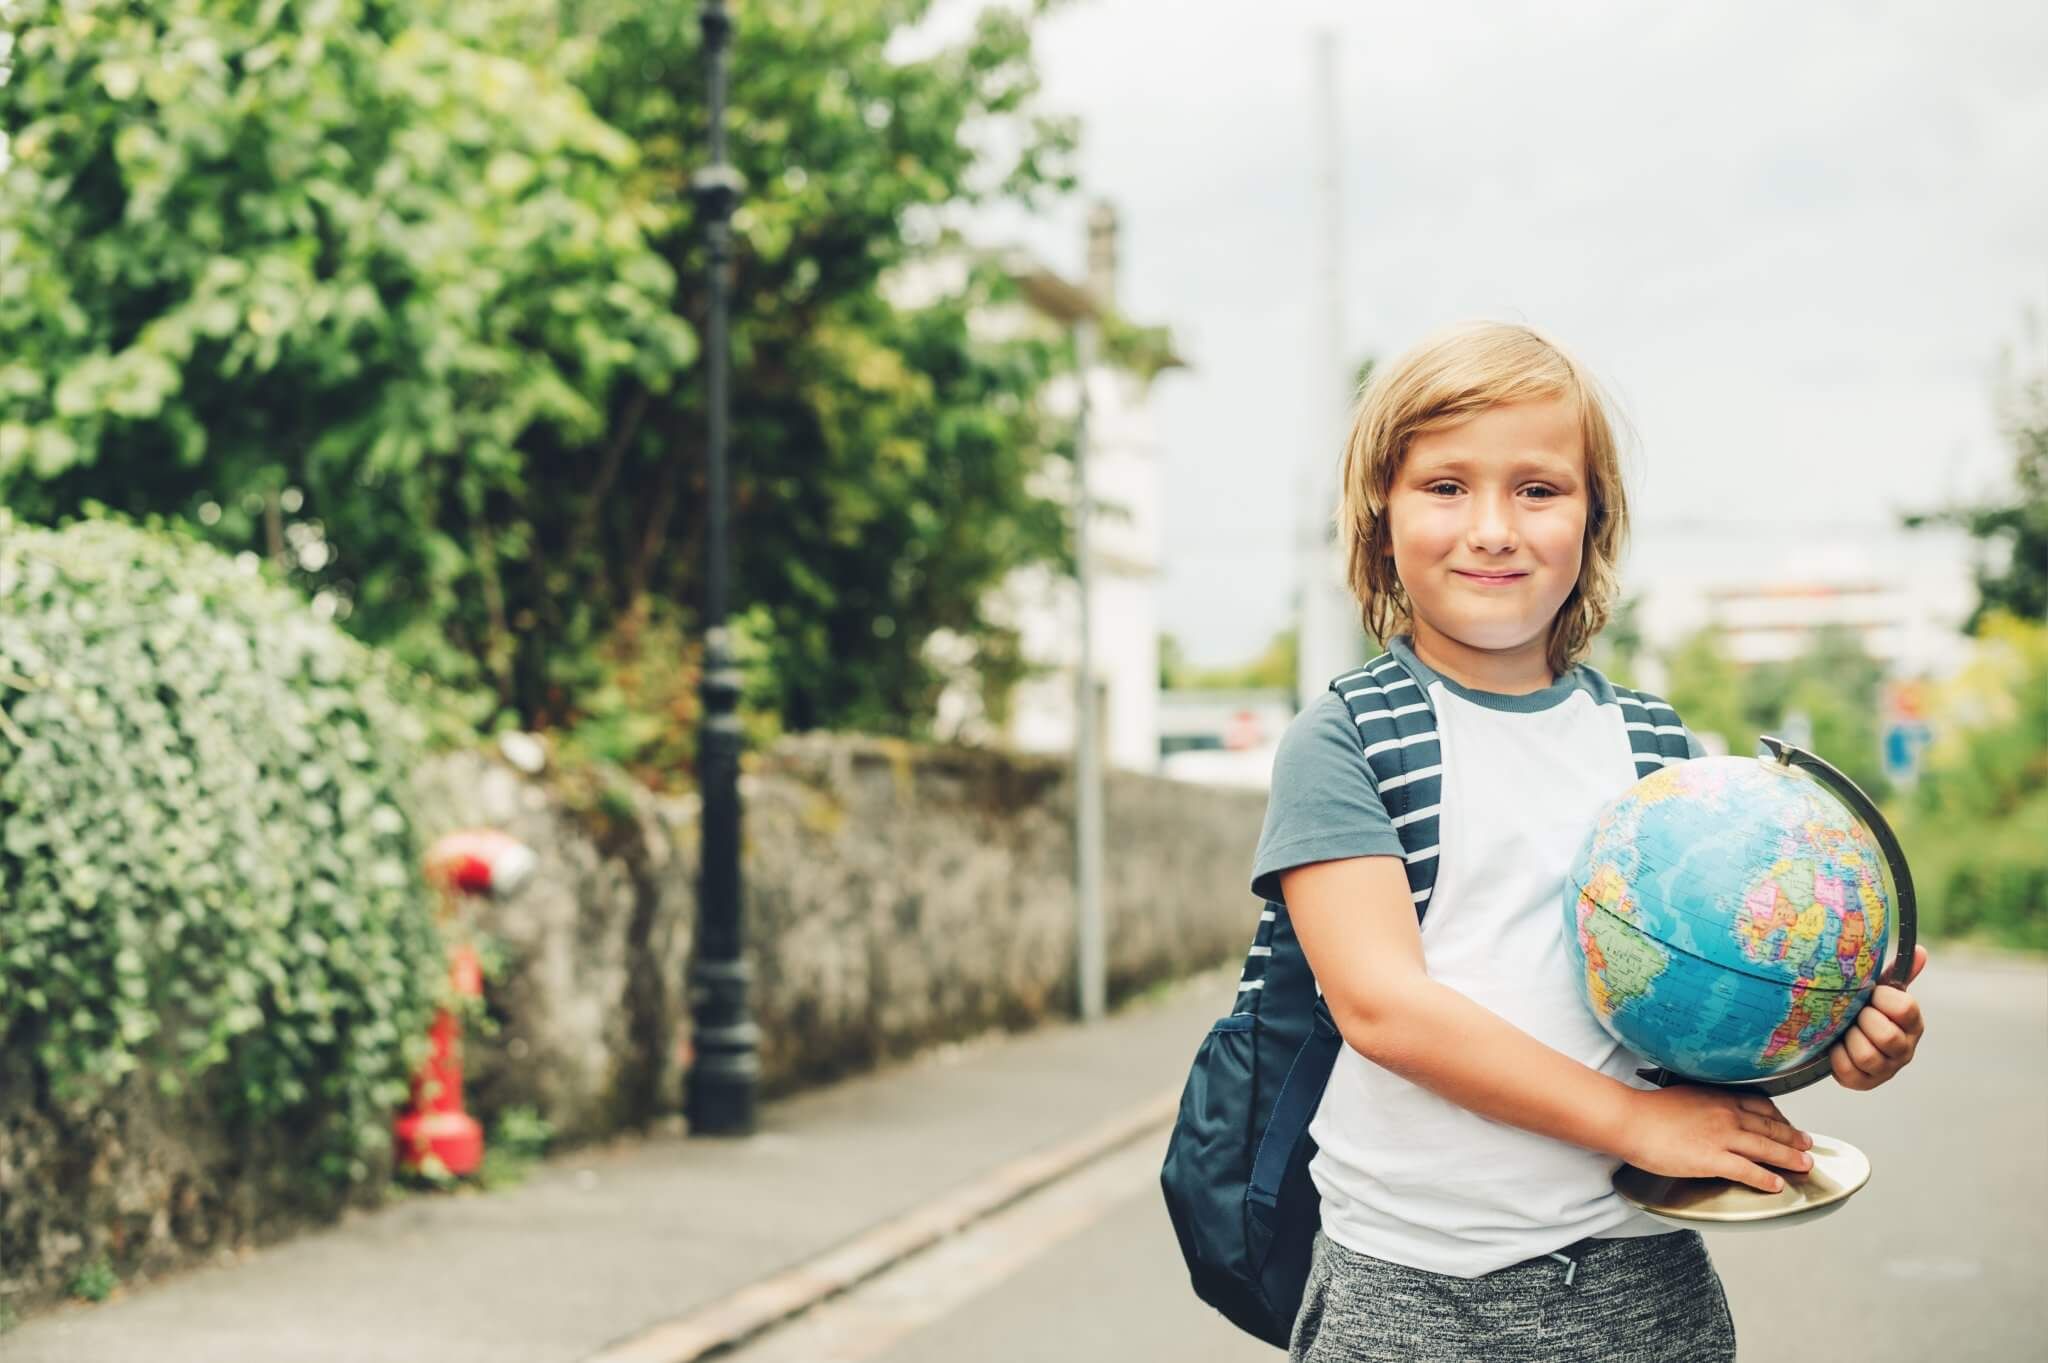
column 1726, row 917
column 1815, row 1013
column 1621, row 963
column 1782, row 918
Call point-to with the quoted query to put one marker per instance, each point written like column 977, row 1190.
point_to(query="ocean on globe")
column 1727, row 918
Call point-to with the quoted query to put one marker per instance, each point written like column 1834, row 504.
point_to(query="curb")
column 724, row 1325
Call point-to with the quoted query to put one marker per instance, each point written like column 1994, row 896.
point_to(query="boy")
column 1476, row 1113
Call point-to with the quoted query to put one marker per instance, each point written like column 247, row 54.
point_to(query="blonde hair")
column 1448, row 378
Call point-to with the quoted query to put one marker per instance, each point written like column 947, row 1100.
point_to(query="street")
column 1940, row 1256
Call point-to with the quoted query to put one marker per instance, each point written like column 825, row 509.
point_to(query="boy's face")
column 1501, row 493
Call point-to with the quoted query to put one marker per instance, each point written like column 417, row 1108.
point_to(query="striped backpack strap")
column 1656, row 735
column 1398, row 728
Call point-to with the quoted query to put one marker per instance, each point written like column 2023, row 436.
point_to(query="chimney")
column 1102, row 254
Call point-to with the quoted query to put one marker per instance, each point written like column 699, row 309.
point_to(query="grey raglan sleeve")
column 1694, row 748
column 1322, row 805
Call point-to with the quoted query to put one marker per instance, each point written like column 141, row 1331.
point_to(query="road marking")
column 922, row 1289
column 752, row 1310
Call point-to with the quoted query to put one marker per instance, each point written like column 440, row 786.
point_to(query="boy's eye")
column 1435, row 487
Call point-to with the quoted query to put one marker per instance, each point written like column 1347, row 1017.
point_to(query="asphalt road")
column 1941, row 1256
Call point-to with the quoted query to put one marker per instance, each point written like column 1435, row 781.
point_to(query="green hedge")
column 1975, row 828
column 208, row 869
column 1983, row 882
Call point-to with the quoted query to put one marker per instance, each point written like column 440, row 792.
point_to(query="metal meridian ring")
column 1820, row 1067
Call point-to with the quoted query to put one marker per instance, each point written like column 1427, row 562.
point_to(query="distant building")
column 1123, row 469
column 1775, row 621
column 1904, row 594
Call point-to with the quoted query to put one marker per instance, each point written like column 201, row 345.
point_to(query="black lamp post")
column 725, row 1072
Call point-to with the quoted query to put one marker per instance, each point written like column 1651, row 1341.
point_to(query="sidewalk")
column 601, row 1252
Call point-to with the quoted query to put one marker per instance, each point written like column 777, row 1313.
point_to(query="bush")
column 1972, row 827
column 208, row 866
column 96, row 1281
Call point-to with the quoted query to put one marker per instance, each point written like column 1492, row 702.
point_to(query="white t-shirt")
column 1406, row 1175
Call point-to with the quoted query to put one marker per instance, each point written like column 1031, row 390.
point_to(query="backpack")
column 1236, row 1174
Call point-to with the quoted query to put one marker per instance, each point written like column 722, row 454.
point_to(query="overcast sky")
column 1792, row 239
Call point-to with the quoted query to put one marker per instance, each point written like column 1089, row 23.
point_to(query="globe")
column 1727, row 918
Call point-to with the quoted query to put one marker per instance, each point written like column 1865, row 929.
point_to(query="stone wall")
column 896, row 897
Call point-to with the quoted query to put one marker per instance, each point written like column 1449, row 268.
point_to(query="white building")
column 1905, row 594
column 1123, row 470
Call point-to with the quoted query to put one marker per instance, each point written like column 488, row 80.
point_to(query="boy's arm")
column 1356, row 923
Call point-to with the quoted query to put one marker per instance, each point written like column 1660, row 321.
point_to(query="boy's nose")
column 1491, row 529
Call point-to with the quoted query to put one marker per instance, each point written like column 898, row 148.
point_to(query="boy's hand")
column 1884, row 1036
column 1691, row 1131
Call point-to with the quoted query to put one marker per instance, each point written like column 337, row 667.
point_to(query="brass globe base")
column 1715, row 1204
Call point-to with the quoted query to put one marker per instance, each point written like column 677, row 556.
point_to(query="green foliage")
column 1274, row 668
column 519, row 1138
column 96, row 1281
column 333, row 253
column 208, row 870
column 1705, row 687
column 1833, row 682
column 884, row 453
column 2014, row 581
column 523, row 1132
column 1144, row 351
column 1975, row 827
column 404, row 297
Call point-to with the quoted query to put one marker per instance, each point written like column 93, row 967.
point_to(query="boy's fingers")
column 1739, row 1170
column 1884, row 1034
column 1919, row 963
column 1759, row 1104
column 1865, row 1056
column 1897, row 1005
column 1765, row 1150
column 1777, row 1129
column 1846, row 1073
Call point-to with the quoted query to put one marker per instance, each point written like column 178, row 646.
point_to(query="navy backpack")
column 1236, row 1173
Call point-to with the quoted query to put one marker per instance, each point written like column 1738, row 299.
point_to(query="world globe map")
column 1727, row 918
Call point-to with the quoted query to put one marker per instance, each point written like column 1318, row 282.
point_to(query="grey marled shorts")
column 1654, row 1299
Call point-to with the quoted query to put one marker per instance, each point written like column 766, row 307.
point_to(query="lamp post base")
column 719, row 1106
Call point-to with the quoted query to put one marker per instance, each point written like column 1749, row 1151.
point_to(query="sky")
column 1792, row 240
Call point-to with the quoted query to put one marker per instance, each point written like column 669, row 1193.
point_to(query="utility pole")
column 1090, row 963
column 1330, row 637
column 724, row 1075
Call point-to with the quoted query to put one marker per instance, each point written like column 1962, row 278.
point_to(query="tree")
column 404, row 297
column 2018, row 585
column 345, row 259
column 1971, row 827
column 1834, row 682
column 1705, row 688
column 883, row 453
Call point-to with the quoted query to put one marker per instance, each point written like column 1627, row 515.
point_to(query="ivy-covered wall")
column 211, row 918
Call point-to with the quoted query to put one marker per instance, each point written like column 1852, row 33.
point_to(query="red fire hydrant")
column 435, row 1128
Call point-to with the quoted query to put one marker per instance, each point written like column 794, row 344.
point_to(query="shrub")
column 1972, row 827
column 208, row 865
